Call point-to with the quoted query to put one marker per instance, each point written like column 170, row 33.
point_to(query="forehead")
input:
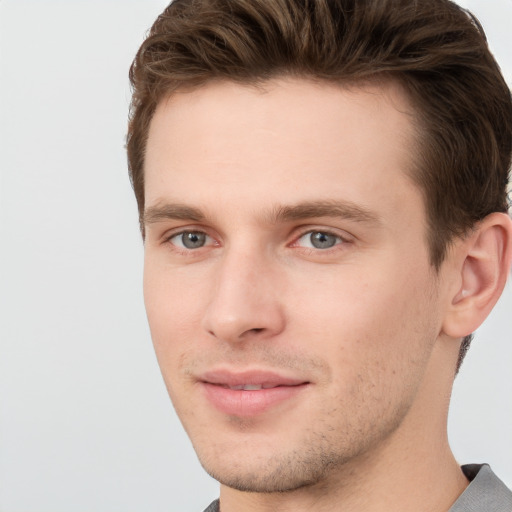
column 289, row 139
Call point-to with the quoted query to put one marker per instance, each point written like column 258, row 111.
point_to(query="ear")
column 484, row 264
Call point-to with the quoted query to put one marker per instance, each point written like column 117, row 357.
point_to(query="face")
column 287, row 283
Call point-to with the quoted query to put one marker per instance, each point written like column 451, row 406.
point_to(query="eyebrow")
column 307, row 210
column 282, row 213
column 161, row 212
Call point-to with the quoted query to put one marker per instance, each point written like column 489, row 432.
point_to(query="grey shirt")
column 485, row 493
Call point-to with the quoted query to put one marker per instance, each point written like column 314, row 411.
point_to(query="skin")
column 367, row 323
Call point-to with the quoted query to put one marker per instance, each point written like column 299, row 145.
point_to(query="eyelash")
column 184, row 251
column 340, row 241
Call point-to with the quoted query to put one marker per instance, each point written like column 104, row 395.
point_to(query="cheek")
column 173, row 306
column 377, row 341
column 377, row 322
column 173, row 311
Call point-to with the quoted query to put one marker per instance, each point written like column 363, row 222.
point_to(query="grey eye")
column 323, row 240
column 319, row 240
column 190, row 239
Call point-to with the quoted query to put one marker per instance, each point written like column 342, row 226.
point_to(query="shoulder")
column 485, row 492
column 213, row 507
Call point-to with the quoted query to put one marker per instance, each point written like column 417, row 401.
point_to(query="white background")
column 85, row 422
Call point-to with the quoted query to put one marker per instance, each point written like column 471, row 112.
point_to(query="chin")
column 257, row 468
column 275, row 476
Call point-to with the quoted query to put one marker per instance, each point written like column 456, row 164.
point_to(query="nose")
column 245, row 303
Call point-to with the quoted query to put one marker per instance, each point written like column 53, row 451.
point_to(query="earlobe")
column 485, row 264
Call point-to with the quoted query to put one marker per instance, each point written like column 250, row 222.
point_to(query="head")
column 434, row 85
column 435, row 50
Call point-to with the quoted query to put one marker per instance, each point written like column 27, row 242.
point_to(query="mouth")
column 250, row 393
column 250, row 387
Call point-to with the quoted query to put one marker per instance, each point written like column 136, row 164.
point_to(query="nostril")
column 251, row 332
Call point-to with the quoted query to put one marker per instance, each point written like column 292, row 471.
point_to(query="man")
column 322, row 193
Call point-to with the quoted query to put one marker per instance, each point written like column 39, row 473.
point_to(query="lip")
column 272, row 390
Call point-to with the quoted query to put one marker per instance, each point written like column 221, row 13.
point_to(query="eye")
column 319, row 240
column 190, row 239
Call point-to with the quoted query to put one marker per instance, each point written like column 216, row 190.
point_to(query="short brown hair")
column 434, row 48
